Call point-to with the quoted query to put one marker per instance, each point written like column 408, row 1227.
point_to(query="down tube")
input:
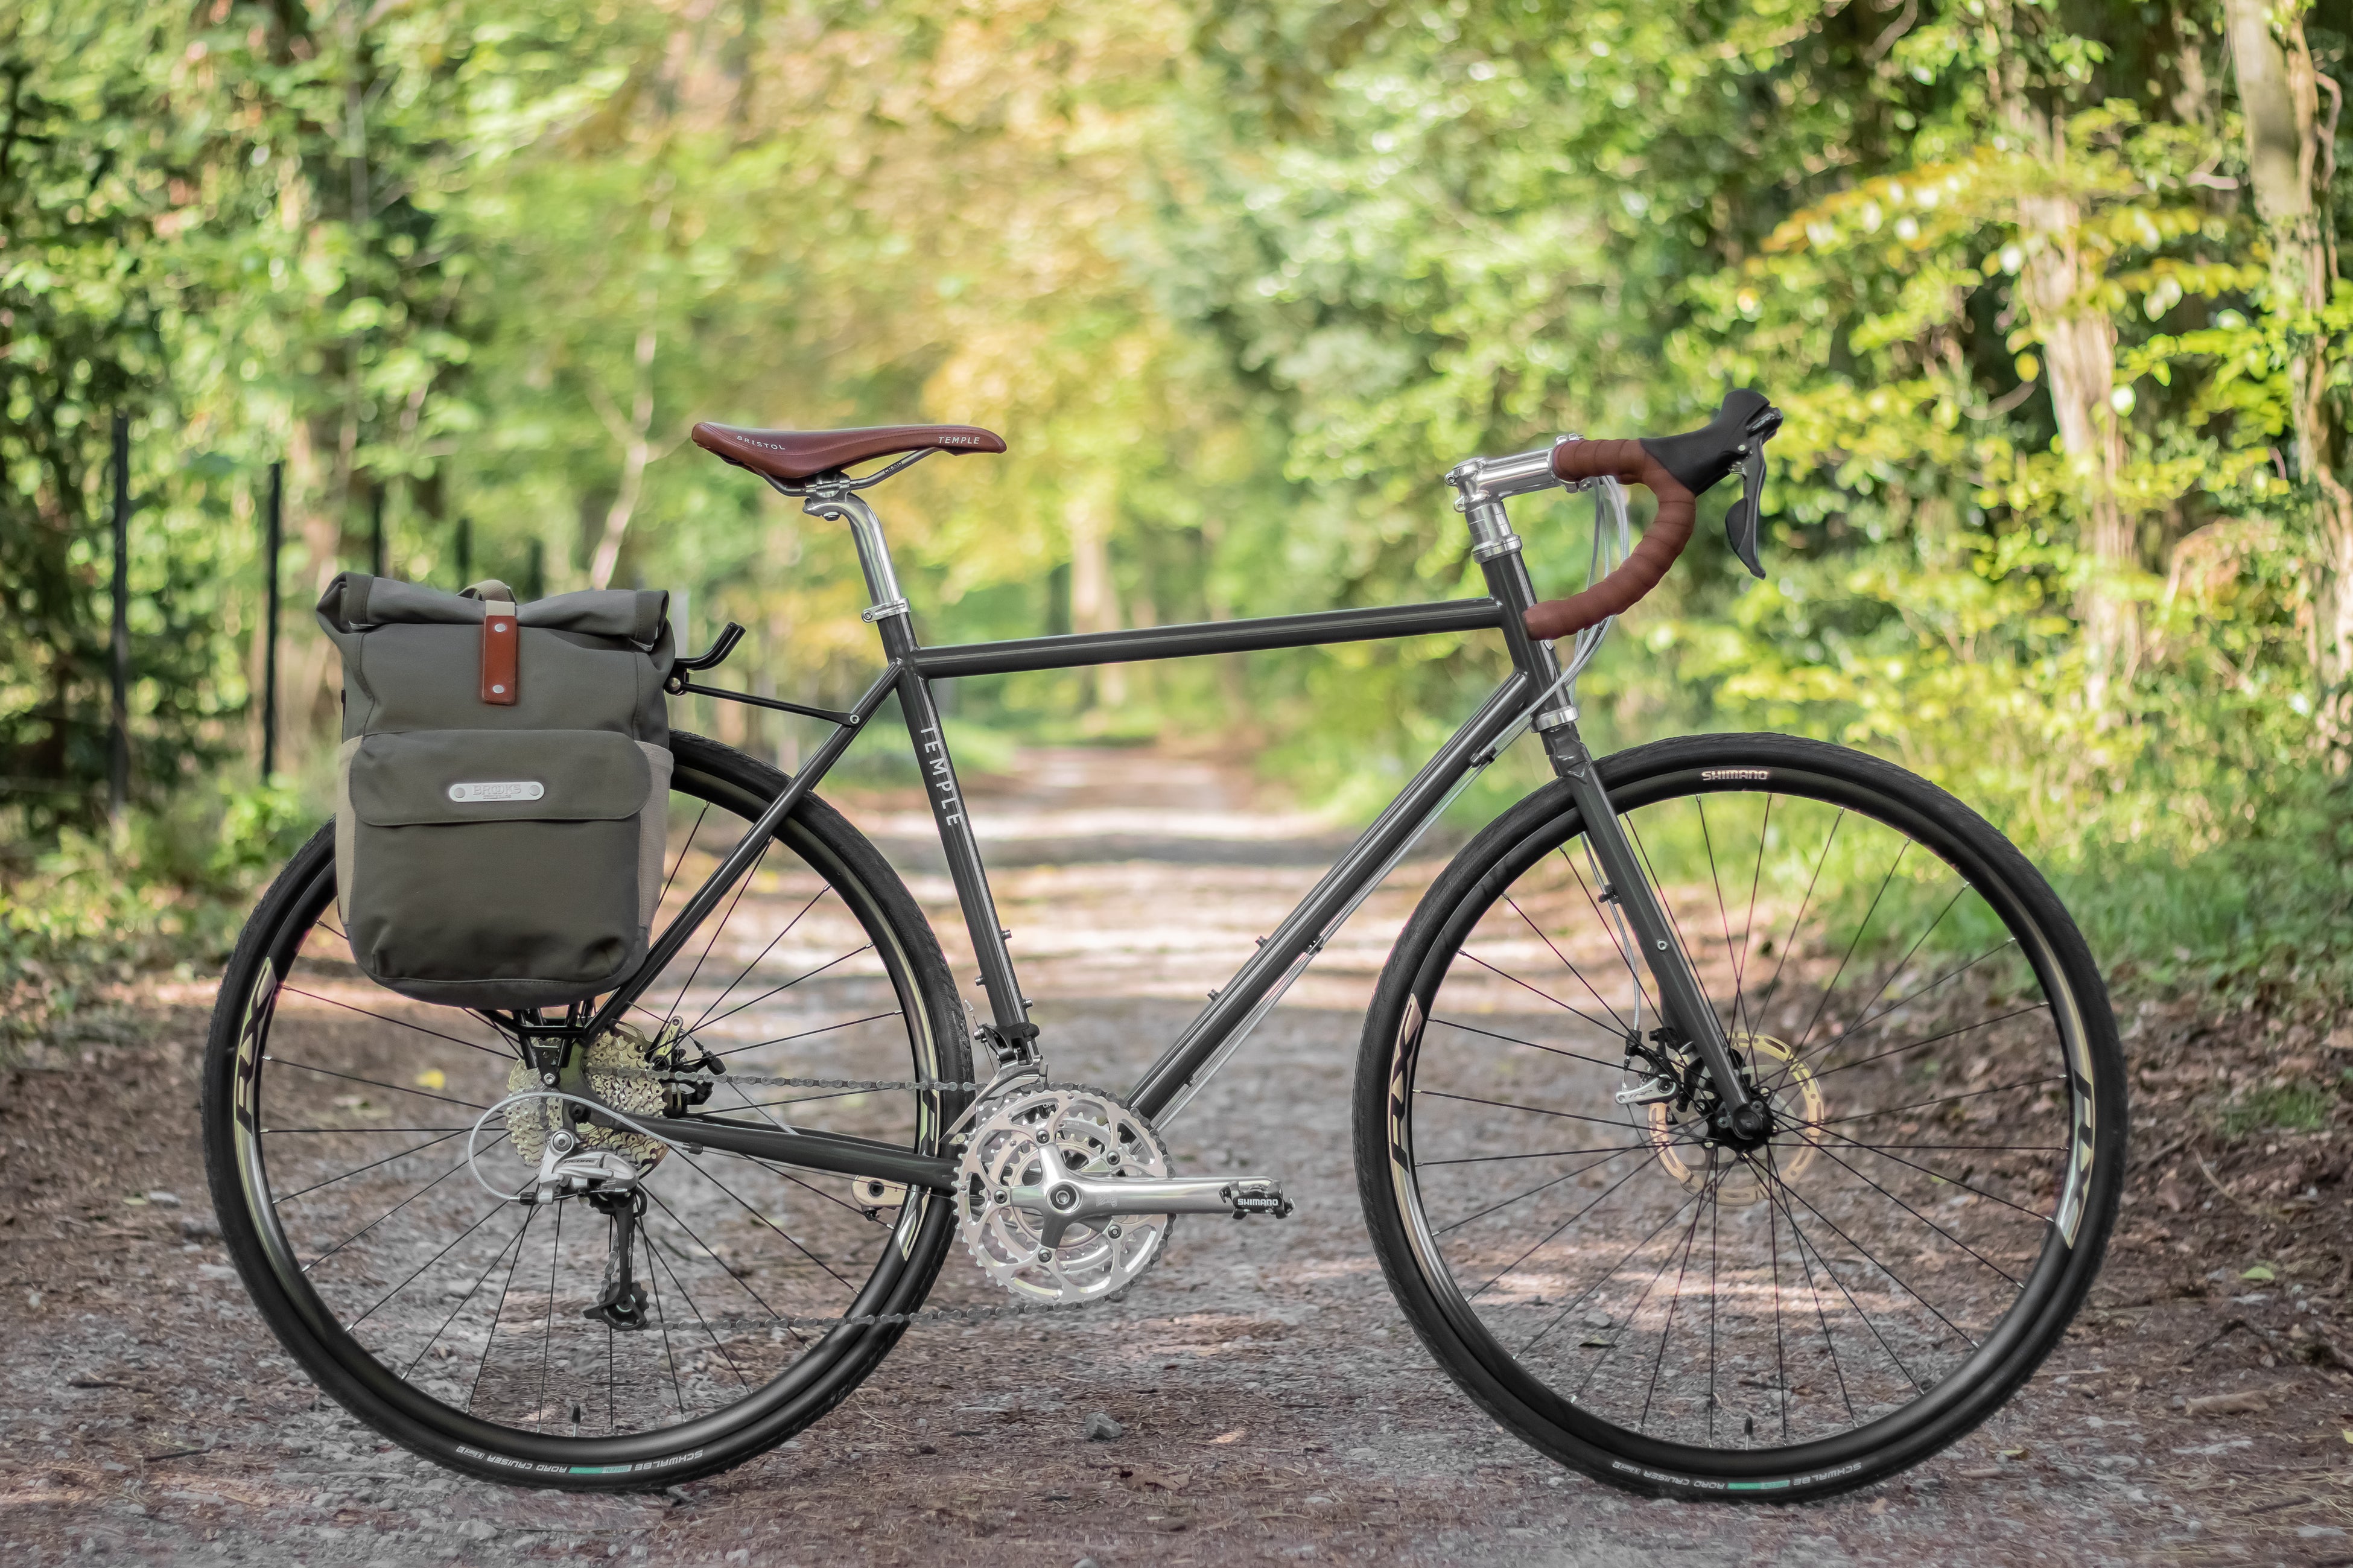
column 1302, row 934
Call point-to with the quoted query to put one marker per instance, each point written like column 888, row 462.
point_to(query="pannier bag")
column 502, row 787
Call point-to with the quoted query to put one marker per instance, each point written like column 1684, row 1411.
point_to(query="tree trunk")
column 2079, row 346
column 2279, row 101
column 637, row 450
column 1094, row 597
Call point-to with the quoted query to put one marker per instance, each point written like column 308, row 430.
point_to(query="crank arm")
column 809, row 1150
column 1062, row 1197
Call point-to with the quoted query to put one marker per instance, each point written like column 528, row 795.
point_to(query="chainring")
column 1095, row 1135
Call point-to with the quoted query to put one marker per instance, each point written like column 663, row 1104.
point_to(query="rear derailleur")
column 622, row 1302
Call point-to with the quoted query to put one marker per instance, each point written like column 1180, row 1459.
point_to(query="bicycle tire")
column 1398, row 1113
column 811, row 1382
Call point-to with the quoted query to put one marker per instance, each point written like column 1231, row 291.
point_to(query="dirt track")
column 1275, row 1405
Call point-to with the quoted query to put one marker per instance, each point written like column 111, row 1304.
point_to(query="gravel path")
column 1272, row 1403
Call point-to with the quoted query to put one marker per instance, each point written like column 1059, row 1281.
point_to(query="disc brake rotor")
column 1092, row 1134
column 1797, row 1101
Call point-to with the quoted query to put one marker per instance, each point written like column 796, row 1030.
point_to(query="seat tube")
column 1008, row 1009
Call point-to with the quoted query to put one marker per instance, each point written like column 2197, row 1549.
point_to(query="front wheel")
column 1670, row 1313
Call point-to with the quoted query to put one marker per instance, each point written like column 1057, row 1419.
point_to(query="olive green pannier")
column 501, row 788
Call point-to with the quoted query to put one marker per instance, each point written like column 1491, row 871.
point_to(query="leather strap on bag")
column 501, row 652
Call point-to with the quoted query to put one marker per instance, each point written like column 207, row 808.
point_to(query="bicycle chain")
column 975, row 1314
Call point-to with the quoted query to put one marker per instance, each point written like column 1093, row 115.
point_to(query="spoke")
column 1617, row 1067
column 1924, row 1219
column 274, row 1131
column 362, row 1170
column 1698, row 1205
column 1789, row 1191
column 1822, row 1317
column 661, row 1319
column 1675, row 1299
column 1546, row 1154
column 1723, row 914
column 1540, row 1187
column 547, row 1333
column 1675, row 922
column 764, row 1219
column 787, row 985
column 1609, row 930
column 1531, row 1109
column 810, row 1033
column 1766, row 1002
column 1780, row 1340
column 1848, row 957
column 1565, row 963
column 1950, row 974
column 324, row 923
column 420, row 1268
column 1546, row 1239
column 1897, row 968
column 1612, row 1272
column 679, row 864
column 1945, row 1100
column 496, row 1258
column 1925, row 1171
column 403, row 1023
column 1541, row 992
column 706, row 1246
column 1836, row 1280
column 499, row 1311
column 736, row 897
column 1715, row 1256
column 394, row 1209
column 775, row 1170
column 760, row 954
column 1930, row 1040
column 374, row 1083
column 1747, row 935
column 687, row 1297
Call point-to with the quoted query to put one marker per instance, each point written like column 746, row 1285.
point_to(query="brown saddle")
column 793, row 456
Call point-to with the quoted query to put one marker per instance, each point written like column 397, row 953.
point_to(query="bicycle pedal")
column 1265, row 1197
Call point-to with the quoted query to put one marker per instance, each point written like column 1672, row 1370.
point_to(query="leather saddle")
column 794, row 455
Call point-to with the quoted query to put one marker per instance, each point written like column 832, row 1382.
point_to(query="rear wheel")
column 1675, row 1315
column 337, row 1117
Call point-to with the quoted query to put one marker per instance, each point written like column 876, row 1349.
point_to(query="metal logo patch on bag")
column 473, row 793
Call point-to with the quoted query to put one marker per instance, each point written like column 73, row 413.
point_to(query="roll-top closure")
column 356, row 602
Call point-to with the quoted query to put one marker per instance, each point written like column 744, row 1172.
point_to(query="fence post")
column 535, row 580
column 375, row 530
column 465, row 551
column 273, row 542
column 119, row 660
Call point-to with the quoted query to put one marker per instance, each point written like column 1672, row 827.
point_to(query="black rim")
column 464, row 1315
column 1748, row 1315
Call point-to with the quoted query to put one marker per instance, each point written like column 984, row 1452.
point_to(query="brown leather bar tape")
column 1662, row 541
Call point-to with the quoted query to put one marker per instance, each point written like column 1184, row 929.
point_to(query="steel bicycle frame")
column 1527, row 698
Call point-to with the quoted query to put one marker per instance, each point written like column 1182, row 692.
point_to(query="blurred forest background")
column 2053, row 292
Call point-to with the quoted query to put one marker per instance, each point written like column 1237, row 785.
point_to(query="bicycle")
column 1736, row 1115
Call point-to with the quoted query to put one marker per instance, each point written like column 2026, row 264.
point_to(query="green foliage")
column 1238, row 280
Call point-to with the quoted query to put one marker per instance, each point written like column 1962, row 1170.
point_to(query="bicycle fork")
column 1740, row 1120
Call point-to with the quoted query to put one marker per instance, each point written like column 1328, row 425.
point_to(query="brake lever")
column 1743, row 521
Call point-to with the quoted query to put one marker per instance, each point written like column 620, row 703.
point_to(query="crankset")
column 1063, row 1195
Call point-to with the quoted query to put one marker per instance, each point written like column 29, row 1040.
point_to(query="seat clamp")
column 882, row 612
